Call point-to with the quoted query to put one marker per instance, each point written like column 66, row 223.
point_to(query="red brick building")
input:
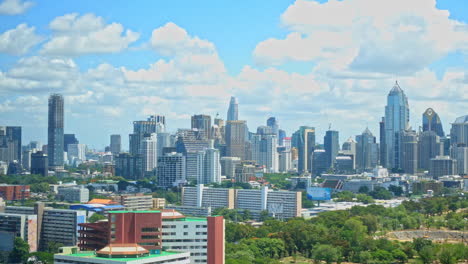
column 14, row 192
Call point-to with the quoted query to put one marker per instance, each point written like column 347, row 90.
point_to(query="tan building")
column 159, row 203
column 135, row 202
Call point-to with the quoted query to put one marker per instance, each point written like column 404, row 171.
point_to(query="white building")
column 74, row 194
column 76, row 152
column 148, row 151
column 285, row 163
column 264, row 151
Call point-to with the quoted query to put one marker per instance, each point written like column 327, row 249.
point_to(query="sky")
column 315, row 63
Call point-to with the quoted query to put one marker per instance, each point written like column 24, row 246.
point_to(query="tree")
column 396, row 190
column 399, row 255
column 326, row 253
column 447, row 255
column 427, row 254
column 363, row 189
column 42, row 187
column 53, row 247
column 247, row 215
column 96, row 217
column 20, row 251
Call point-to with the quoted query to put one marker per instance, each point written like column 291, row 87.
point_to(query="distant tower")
column 235, row 138
column 366, row 151
column 233, row 111
column 202, row 123
column 115, row 144
column 332, row 146
column 55, row 132
column 396, row 120
column 149, row 152
column 431, row 122
column 273, row 124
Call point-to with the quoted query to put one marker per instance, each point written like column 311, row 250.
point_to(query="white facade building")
column 148, row 151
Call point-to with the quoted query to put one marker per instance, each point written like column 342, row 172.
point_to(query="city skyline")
column 178, row 66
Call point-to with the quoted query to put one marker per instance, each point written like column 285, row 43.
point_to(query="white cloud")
column 19, row 40
column 172, row 40
column 379, row 36
column 14, row 7
column 75, row 35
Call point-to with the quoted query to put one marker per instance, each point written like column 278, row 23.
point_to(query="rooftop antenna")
column 329, row 126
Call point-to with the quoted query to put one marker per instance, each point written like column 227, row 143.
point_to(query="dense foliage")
column 356, row 235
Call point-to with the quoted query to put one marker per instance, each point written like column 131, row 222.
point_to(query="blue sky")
column 306, row 62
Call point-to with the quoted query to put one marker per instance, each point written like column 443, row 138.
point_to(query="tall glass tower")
column 396, row 120
column 55, row 132
column 431, row 122
column 233, row 111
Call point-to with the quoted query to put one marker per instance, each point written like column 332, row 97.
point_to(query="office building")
column 459, row 131
column 460, row 154
column 344, row 163
column 349, row 149
column 233, row 110
column 319, row 162
column 273, row 124
column 382, row 141
column 73, row 194
column 332, row 146
column 171, row 170
column 246, row 171
column 409, row 151
column 115, row 144
column 163, row 141
column 69, row 139
column 211, row 170
column 55, row 145
column 39, row 163
column 396, row 120
column 304, row 140
column 367, row 151
column 228, row 166
column 429, row 148
column 281, row 137
column 202, row 123
column 431, row 122
column 26, row 159
column 10, row 143
column 17, row 225
column 284, row 159
column 148, row 152
column 76, row 152
column 159, row 203
column 236, row 139
column 442, row 166
column 53, row 225
column 12, row 192
column 134, row 202
column 154, row 124
column 202, row 196
column 129, row 166
column 264, row 151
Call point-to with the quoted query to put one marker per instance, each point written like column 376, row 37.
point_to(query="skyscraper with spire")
column 396, row 120
column 233, row 111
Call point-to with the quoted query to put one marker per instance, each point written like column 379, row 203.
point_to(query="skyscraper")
column 264, row 151
column 431, row 122
column 55, row 145
column 396, row 120
column 383, row 146
column 409, row 151
column 10, row 143
column 274, row 125
column 202, row 123
column 39, row 163
column 69, row 139
column 115, row 144
column 429, row 148
column 154, row 124
column 459, row 131
column 171, row 170
column 304, row 140
column 233, row 111
column 366, row 151
column 14, row 135
column 332, row 146
column 148, row 152
column 235, row 138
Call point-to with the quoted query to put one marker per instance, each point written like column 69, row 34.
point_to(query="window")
column 185, row 226
column 185, row 233
column 149, row 237
column 149, row 229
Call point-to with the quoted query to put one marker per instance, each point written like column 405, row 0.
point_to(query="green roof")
column 90, row 254
column 194, row 219
column 122, row 212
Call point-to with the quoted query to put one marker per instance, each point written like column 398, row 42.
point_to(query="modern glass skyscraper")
column 304, row 140
column 55, row 131
column 115, row 144
column 332, row 146
column 233, row 111
column 273, row 123
column 367, row 151
column 431, row 122
column 396, row 120
column 202, row 123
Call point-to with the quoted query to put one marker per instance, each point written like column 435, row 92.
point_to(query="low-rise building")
column 14, row 192
column 135, row 202
column 17, row 225
column 74, row 194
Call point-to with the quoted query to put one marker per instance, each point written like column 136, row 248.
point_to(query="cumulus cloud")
column 75, row 35
column 19, row 40
column 389, row 37
column 14, row 7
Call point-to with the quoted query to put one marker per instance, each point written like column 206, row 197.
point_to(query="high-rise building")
column 10, row 143
column 39, row 163
column 202, row 122
column 442, row 166
column 304, row 140
column 76, row 152
column 383, row 144
column 115, row 144
column 55, row 145
column 211, row 170
column 431, row 122
column 281, row 137
column 332, row 146
column 396, row 120
column 409, row 151
column 366, row 151
column 264, row 151
column 171, row 170
column 149, row 152
column 460, row 154
column 129, row 166
column 14, row 135
column 233, row 110
column 235, row 138
column 429, row 148
column 319, row 162
column 284, row 159
column 228, row 166
column 164, row 141
column 459, row 131
column 69, row 139
column 154, row 124
column 274, row 125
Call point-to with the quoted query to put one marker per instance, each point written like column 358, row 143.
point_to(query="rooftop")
column 461, row 120
column 90, row 254
column 137, row 212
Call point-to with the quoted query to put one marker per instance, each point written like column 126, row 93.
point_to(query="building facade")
column 55, row 145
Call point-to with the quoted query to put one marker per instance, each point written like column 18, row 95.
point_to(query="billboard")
column 318, row 194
